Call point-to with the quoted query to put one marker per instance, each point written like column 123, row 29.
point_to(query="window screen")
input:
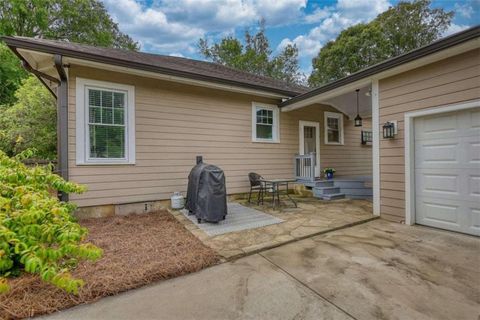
column 333, row 130
column 106, row 124
column 264, row 124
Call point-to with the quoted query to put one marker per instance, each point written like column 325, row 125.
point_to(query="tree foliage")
column 402, row 28
column 38, row 233
column 82, row 21
column 11, row 75
column 30, row 121
column 254, row 56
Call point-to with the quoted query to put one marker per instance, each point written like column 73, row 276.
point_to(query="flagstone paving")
column 312, row 217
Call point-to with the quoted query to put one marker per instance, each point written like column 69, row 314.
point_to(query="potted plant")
column 329, row 173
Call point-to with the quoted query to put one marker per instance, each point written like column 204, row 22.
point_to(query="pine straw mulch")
column 138, row 249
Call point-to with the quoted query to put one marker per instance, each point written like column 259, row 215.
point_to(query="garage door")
column 447, row 171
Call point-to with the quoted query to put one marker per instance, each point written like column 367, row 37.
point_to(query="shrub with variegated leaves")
column 38, row 233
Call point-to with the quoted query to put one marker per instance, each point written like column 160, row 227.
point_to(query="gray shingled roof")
column 188, row 68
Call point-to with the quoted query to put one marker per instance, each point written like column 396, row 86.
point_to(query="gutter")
column 13, row 42
column 434, row 47
column 62, row 123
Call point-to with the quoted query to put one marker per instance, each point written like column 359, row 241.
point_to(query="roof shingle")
column 183, row 67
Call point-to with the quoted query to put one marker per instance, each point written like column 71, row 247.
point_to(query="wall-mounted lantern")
column 358, row 119
column 389, row 130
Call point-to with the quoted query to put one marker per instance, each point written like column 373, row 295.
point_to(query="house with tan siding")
column 131, row 125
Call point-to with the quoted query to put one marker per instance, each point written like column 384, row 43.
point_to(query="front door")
column 310, row 141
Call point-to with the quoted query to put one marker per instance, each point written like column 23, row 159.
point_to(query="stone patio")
column 312, row 217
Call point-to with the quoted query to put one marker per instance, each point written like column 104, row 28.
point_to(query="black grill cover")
column 206, row 193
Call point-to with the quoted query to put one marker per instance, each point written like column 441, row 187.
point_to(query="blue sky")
column 173, row 27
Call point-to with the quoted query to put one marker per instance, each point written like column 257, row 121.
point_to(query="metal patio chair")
column 256, row 184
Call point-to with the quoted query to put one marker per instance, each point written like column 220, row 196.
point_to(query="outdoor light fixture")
column 389, row 130
column 358, row 119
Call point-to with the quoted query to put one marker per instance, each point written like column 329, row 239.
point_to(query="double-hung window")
column 265, row 123
column 333, row 128
column 105, row 123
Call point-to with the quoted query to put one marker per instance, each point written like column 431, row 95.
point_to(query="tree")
column 11, row 75
column 82, row 21
column 30, row 122
column 255, row 56
column 405, row 27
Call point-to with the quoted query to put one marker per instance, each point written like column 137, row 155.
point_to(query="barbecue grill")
column 206, row 193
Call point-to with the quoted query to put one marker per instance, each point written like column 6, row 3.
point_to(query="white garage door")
column 447, row 171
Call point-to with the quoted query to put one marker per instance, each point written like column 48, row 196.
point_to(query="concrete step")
column 349, row 183
column 319, row 191
column 359, row 197
column 333, row 196
column 324, row 183
column 357, row 191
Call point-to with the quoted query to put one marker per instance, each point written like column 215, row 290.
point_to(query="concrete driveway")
column 377, row 270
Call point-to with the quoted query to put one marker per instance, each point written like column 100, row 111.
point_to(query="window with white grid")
column 333, row 128
column 265, row 123
column 105, row 123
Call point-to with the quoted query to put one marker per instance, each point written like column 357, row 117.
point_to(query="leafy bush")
column 38, row 233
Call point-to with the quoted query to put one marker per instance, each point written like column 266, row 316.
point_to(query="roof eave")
column 437, row 46
column 14, row 43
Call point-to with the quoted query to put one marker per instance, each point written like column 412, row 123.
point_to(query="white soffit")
column 434, row 57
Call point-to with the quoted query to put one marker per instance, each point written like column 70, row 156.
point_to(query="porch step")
column 349, row 184
column 324, row 183
column 352, row 188
column 333, row 196
column 320, row 191
column 358, row 191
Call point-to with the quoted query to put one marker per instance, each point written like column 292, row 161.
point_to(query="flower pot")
column 329, row 175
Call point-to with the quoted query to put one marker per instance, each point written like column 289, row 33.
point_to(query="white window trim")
column 338, row 116
column 276, row 122
column 81, row 122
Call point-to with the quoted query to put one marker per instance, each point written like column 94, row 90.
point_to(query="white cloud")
column 332, row 20
column 176, row 25
column 465, row 9
column 454, row 28
column 151, row 27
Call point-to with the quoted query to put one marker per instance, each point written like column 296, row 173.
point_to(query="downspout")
column 62, row 123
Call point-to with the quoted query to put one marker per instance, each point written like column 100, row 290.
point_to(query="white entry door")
column 310, row 141
column 447, row 171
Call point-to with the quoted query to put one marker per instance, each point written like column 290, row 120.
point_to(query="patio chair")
column 256, row 183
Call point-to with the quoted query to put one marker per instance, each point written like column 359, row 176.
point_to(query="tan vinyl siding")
column 449, row 81
column 176, row 122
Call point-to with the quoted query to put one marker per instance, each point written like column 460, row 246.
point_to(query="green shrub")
column 38, row 233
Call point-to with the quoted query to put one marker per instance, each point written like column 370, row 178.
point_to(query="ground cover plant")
column 38, row 233
column 137, row 250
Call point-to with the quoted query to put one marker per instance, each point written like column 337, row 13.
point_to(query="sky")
column 173, row 27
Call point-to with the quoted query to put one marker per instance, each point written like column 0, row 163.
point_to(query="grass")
column 138, row 250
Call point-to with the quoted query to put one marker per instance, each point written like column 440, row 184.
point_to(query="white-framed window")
column 265, row 123
column 105, row 122
column 333, row 128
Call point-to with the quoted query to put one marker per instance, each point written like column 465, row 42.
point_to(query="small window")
column 333, row 128
column 264, row 123
column 105, row 129
column 106, row 124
